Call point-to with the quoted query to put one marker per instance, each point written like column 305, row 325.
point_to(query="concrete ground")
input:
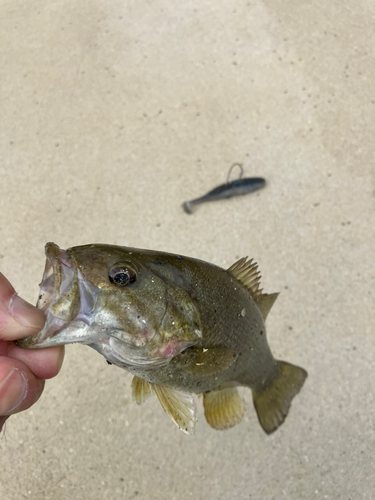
column 112, row 114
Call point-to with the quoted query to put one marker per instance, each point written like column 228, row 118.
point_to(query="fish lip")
column 57, row 276
column 52, row 277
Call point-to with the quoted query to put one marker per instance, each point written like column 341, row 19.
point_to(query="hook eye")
column 231, row 169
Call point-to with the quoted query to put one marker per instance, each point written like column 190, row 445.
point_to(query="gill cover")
column 109, row 298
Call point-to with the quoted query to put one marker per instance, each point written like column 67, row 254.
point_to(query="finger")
column 19, row 388
column 44, row 363
column 18, row 318
column 4, row 346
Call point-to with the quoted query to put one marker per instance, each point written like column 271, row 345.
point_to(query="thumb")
column 18, row 318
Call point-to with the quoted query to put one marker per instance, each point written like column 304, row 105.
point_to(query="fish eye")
column 122, row 275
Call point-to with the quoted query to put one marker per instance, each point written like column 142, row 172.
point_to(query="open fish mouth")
column 59, row 296
column 57, row 277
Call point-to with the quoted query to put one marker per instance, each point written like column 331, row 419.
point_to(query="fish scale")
column 179, row 325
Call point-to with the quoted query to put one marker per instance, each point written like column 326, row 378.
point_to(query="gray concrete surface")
column 112, row 114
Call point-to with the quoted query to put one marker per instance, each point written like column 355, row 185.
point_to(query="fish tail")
column 273, row 403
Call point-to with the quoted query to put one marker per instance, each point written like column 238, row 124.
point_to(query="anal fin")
column 140, row 390
column 224, row 408
column 179, row 406
column 273, row 403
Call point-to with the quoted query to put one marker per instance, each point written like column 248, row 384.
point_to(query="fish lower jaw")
column 70, row 333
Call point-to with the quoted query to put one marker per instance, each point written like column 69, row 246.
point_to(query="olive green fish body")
column 237, row 326
column 179, row 325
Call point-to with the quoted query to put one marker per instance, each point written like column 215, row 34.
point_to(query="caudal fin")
column 273, row 403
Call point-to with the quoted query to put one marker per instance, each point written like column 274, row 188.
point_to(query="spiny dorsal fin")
column 179, row 406
column 224, row 408
column 246, row 272
column 140, row 390
column 265, row 301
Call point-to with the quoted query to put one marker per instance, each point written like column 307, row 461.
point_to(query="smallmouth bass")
column 179, row 325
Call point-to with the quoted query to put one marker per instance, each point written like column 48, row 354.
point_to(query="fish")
column 234, row 188
column 181, row 326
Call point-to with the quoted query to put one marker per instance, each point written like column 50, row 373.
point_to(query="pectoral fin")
column 185, row 359
column 179, row 406
column 210, row 361
column 203, row 362
column 224, row 408
column 140, row 390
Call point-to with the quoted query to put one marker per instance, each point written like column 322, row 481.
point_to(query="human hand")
column 22, row 371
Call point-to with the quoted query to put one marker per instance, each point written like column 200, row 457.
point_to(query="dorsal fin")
column 246, row 272
column 265, row 301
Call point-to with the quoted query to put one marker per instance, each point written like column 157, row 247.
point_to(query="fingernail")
column 60, row 359
column 25, row 313
column 13, row 390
